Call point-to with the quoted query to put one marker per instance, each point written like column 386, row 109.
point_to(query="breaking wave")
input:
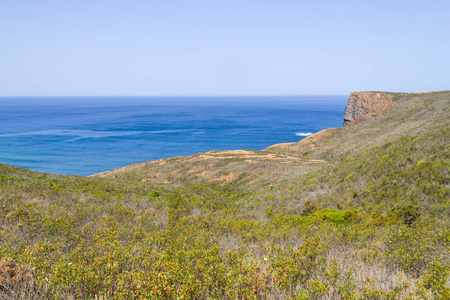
column 303, row 134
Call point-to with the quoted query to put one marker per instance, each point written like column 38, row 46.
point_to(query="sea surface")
column 88, row 135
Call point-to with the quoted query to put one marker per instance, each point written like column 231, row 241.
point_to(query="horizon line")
column 167, row 96
column 211, row 95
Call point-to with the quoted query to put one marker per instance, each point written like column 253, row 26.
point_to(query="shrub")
column 309, row 208
column 337, row 217
column 16, row 281
column 412, row 248
column 436, row 280
column 409, row 213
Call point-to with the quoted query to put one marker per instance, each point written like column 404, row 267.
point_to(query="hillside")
column 406, row 114
column 409, row 114
column 358, row 212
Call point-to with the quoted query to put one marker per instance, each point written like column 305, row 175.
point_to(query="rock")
column 364, row 105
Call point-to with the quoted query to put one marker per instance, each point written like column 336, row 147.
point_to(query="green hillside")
column 360, row 212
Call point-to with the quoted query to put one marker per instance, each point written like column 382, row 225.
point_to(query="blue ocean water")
column 88, row 135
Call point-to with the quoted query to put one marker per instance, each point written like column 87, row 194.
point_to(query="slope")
column 371, row 223
column 410, row 114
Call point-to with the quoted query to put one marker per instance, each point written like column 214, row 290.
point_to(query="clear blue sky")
column 212, row 47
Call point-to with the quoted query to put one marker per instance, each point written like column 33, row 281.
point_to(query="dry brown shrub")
column 149, row 212
column 16, row 281
column 18, row 214
column 13, row 273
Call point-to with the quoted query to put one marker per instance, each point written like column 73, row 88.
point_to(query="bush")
column 408, row 213
column 16, row 281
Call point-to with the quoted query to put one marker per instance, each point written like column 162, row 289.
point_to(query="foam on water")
column 79, row 133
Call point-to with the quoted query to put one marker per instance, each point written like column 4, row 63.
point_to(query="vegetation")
column 369, row 224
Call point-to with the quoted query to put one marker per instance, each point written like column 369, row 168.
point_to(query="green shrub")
column 436, row 280
column 408, row 213
column 337, row 217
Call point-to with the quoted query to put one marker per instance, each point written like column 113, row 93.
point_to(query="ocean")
column 88, row 135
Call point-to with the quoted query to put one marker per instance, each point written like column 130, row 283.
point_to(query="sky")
column 243, row 47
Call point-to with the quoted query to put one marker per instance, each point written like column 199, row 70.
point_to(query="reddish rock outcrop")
column 363, row 105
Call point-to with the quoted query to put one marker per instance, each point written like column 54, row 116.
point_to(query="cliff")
column 363, row 105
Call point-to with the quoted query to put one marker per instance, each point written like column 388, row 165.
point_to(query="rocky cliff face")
column 363, row 105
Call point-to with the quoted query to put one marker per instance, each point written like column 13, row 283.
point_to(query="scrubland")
column 343, row 221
